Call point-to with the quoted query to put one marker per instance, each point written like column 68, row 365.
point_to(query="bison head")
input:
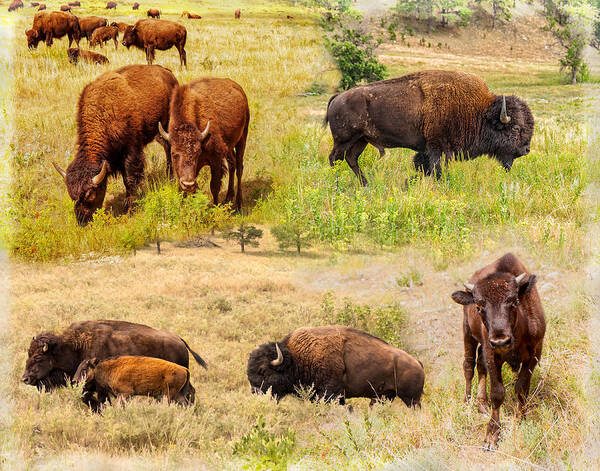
column 496, row 300
column 129, row 37
column 33, row 38
column 187, row 145
column 272, row 367
column 86, row 185
column 43, row 369
column 85, row 370
column 73, row 54
column 508, row 130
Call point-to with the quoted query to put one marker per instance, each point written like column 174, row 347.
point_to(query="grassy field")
column 386, row 260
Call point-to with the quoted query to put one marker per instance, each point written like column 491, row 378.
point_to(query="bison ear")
column 525, row 283
column 462, row 297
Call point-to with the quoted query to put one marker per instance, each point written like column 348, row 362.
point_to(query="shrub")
column 245, row 235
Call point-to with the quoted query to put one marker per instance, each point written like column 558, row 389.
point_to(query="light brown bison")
column 136, row 6
column 150, row 35
column 65, row 8
column 208, row 125
column 53, row 358
column 87, row 25
column 76, row 55
column 338, row 362
column 153, row 13
column 15, row 5
column 191, row 16
column 126, row 376
column 238, row 14
column 435, row 113
column 121, row 26
column 503, row 322
column 55, row 24
column 104, row 34
column 117, row 115
column 111, row 6
column 42, row 7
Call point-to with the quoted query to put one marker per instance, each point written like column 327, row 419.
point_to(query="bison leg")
column 48, row 39
column 497, row 396
column 216, row 175
column 230, row 182
column 352, row 158
column 182, row 55
column 240, row 148
column 337, row 153
column 167, row 147
column 470, row 345
column 116, row 43
column 524, row 379
column 482, row 399
column 133, row 174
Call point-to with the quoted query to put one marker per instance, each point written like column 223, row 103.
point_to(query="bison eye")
column 516, row 128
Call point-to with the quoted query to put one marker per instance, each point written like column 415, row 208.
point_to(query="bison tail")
column 325, row 120
column 197, row 357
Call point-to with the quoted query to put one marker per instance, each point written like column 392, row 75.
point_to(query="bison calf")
column 339, row 362
column 503, row 321
column 104, row 34
column 76, row 55
column 87, row 25
column 127, row 376
column 150, row 35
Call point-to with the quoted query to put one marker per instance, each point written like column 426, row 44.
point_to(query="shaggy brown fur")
column 111, row 6
column 127, row 376
column 104, row 34
column 87, row 25
column 15, row 5
column 76, row 55
column 223, row 103
column 150, row 35
column 153, row 13
column 55, row 24
column 117, row 116
column 122, row 26
column 503, row 322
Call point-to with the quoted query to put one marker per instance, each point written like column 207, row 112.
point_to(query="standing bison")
column 439, row 114
column 104, row 34
column 56, row 24
column 208, row 125
column 111, row 6
column 151, row 35
column 339, row 362
column 117, row 115
column 503, row 323
column 153, row 13
column 87, row 25
column 15, row 5
column 54, row 358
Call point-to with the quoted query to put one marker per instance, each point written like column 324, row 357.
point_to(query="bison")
column 150, row 35
column 208, row 125
column 56, row 24
column 15, row 5
column 76, row 55
column 121, row 26
column 74, row 4
column 54, row 358
column 117, row 115
column 153, row 13
column 136, row 6
column 191, row 16
column 238, row 14
column 503, row 322
column 42, row 7
column 87, row 25
column 127, row 375
column 435, row 113
column 111, row 6
column 104, row 34
column 338, row 362
column 65, row 8
column 34, row 4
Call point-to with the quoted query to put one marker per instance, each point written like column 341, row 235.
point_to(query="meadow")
column 386, row 259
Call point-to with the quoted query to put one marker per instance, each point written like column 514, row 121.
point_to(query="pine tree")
column 245, row 235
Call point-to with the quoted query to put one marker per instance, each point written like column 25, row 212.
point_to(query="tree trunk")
column 298, row 245
column 158, row 246
column 242, row 243
column 573, row 75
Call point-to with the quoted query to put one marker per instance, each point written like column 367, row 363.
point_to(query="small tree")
column 293, row 234
column 501, row 9
column 245, row 235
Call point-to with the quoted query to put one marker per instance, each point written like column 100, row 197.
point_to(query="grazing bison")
column 435, row 113
column 56, row 24
column 150, row 35
column 76, row 55
column 127, row 376
column 136, row 6
column 54, row 358
column 503, row 322
column 111, row 6
column 65, row 8
column 103, row 34
column 153, row 13
column 87, row 25
column 238, row 14
column 121, row 26
column 15, row 5
column 42, row 7
column 117, row 115
column 208, row 125
column 339, row 362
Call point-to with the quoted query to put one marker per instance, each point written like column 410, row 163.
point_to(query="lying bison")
column 435, row 113
column 339, row 362
column 102, row 35
column 55, row 24
column 54, row 358
column 117, row 115
column 191, row 16
column 126, row 376
column 150, row 35
column 153, row 13
column 87, row 25
column 76, row 55
column 208, row 125
column 503, row 322
column 65, row 8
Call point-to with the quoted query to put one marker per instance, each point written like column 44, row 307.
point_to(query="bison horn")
column 101, row 176
column 469, row 287
column 205, row 132
column 520, row 279
column 63, row 174
column 163, row 133
column 503, row 116
column 279, row 359
column 45, row 348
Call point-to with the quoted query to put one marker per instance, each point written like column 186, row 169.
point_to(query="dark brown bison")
column 55, row 24
column 150, row 35
column 76, row 55
column 74, row 4
column 87, row 25
column 15, row 5
column 126, row 376
column 208, row 125
column 34, row 4
column 104, row 34
column 121, row 26
column 435, row 113
column 503, row 322
column 117, row 115
column 136, row 6
column 65, row 8
column 238, row 14
column 42, row 7
column 54, row 358
column 338, row 362
column 111, row 6
column 153, row 13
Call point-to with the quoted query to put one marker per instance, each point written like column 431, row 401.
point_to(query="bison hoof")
column 490, row 445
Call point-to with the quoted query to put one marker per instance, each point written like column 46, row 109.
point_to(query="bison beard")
column 281, row 379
